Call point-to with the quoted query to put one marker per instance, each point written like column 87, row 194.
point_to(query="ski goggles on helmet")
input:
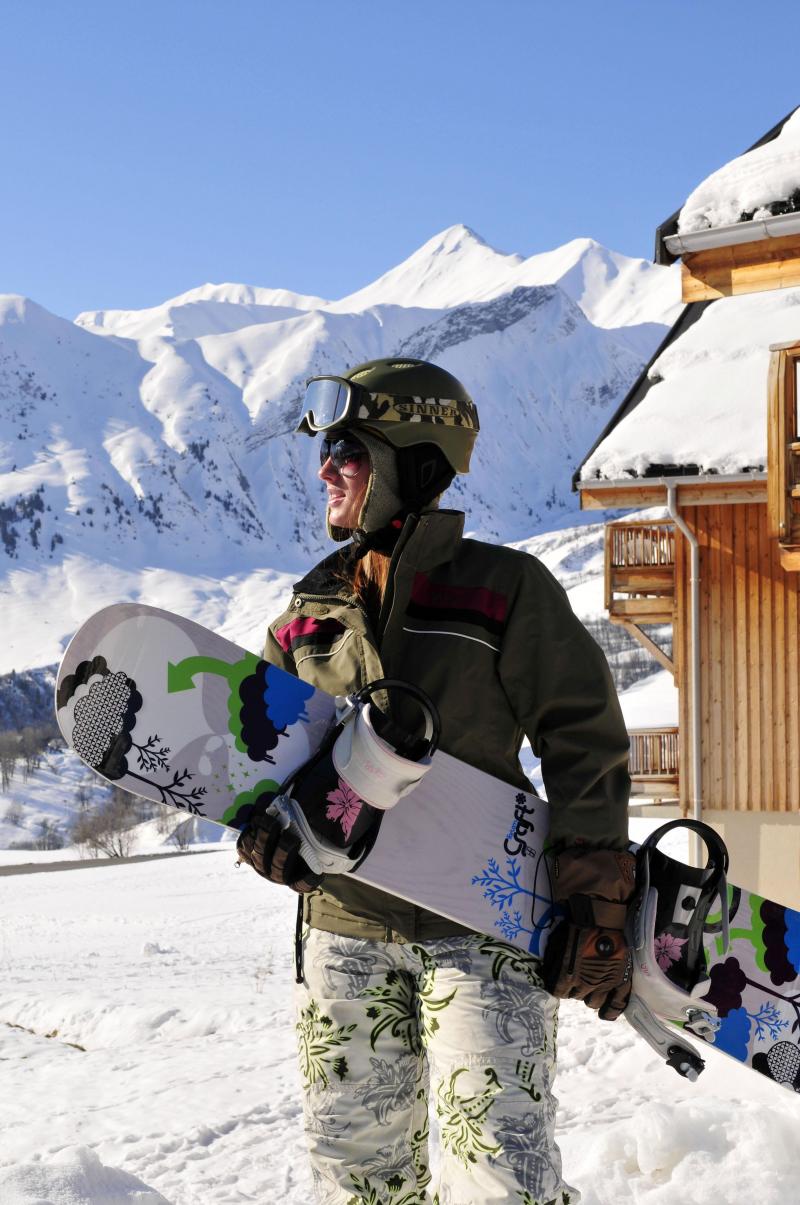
column 346, row 454
column 330, row 400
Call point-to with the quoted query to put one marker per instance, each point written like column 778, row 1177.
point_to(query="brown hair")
column 371, row 575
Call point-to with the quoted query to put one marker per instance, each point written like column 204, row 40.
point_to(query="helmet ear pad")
column 384, row 497
column 424, row 472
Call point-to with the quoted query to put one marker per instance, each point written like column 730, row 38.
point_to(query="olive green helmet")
column 403, row 401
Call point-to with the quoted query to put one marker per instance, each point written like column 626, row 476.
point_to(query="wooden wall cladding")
column 750, row 663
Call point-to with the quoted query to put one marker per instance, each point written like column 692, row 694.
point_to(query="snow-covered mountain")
column 149, row 453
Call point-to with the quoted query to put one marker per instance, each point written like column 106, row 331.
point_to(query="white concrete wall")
column 764, row 848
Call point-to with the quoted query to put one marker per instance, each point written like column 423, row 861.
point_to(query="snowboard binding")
column 666, row 925
column 336, row 802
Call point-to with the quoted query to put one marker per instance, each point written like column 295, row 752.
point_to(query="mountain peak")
column 14, row 307
column 453, row 238
column 446, row 270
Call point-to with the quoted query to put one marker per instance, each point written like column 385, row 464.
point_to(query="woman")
column 397, row 1005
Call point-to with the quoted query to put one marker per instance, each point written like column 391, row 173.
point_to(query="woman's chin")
column 337, row 517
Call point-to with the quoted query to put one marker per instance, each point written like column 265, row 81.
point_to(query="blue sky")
column 148, row 147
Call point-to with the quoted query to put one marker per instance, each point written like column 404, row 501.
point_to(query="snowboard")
column 172, row 712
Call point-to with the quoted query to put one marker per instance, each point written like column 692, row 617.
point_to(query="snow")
column 75, row 1177
column 149, row 455
column 146, row 1022
column 612, row 290
column 147, row 1045
column 166, row 995
column 706, row 405
column 51, row 794
column 147, row 1042
column 442, row 274
column 209, row 308
column 753, row 181
column 457, row 267
column 43, row 610
column 651, row 702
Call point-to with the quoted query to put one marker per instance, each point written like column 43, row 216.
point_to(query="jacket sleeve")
column 274, row 651
column 559, row 685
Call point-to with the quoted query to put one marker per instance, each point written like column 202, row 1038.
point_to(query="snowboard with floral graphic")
column 754, row 981
column 170, row 711
column 755, row 986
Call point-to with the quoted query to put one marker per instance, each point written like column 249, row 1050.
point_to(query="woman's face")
column 346, row 488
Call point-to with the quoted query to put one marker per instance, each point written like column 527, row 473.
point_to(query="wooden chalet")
column 711, row 433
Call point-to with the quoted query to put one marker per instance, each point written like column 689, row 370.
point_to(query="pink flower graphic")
column 668, row 949
column 344, row 805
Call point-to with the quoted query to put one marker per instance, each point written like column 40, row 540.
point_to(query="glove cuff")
column 588, row 912
column 600, row 879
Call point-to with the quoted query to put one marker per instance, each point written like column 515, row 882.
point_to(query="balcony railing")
column 783, row 453
column 640, row 571
column 653, row 762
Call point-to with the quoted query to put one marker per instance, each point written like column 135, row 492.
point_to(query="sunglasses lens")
column 345, row 454
column 326, row 401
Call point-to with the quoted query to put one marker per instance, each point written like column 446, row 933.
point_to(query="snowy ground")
column 52, row 794
column 148, row 1056
column 147, row 1041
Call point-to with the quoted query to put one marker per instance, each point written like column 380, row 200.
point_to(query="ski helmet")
column 420, row 409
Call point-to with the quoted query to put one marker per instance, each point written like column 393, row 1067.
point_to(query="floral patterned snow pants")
column 382, row 1024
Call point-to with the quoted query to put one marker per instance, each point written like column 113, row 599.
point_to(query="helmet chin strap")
column 382, row 540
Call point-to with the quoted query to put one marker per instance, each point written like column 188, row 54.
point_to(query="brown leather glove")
column 587, row 957
column 274, row 852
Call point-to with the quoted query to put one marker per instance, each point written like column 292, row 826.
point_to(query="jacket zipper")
column 387, row 606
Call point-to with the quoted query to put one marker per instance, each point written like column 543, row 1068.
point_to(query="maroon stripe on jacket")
column 299, row 630
column 486, row 603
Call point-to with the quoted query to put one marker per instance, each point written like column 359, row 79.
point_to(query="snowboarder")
column 396, row 1004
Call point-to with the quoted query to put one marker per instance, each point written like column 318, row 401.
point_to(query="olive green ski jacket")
column 488, row 633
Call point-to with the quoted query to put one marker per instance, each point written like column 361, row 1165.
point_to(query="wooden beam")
column 640, row 609
column 650, row 492
column 790, row 559
column 770, row 263
column 598, row 496
column 721, row 495
column 655, row 617
column 651, row 646
column 643, row 579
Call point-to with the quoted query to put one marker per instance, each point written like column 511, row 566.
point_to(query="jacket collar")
column 431, row 539
column 427, row 540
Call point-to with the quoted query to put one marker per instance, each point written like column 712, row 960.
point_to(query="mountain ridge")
column 148, row 448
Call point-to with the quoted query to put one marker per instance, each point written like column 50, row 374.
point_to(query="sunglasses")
column 345, row 454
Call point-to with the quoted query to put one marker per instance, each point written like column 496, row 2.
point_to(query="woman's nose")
column 327, row 470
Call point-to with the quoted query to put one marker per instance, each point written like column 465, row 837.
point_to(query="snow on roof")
column 750, row 185
column 705, row 400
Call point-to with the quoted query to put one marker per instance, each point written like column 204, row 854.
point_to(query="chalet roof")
column 700, row 404
column 764, row 180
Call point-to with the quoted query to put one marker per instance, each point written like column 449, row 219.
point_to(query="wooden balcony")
column 653, row 762
column 640, row 572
